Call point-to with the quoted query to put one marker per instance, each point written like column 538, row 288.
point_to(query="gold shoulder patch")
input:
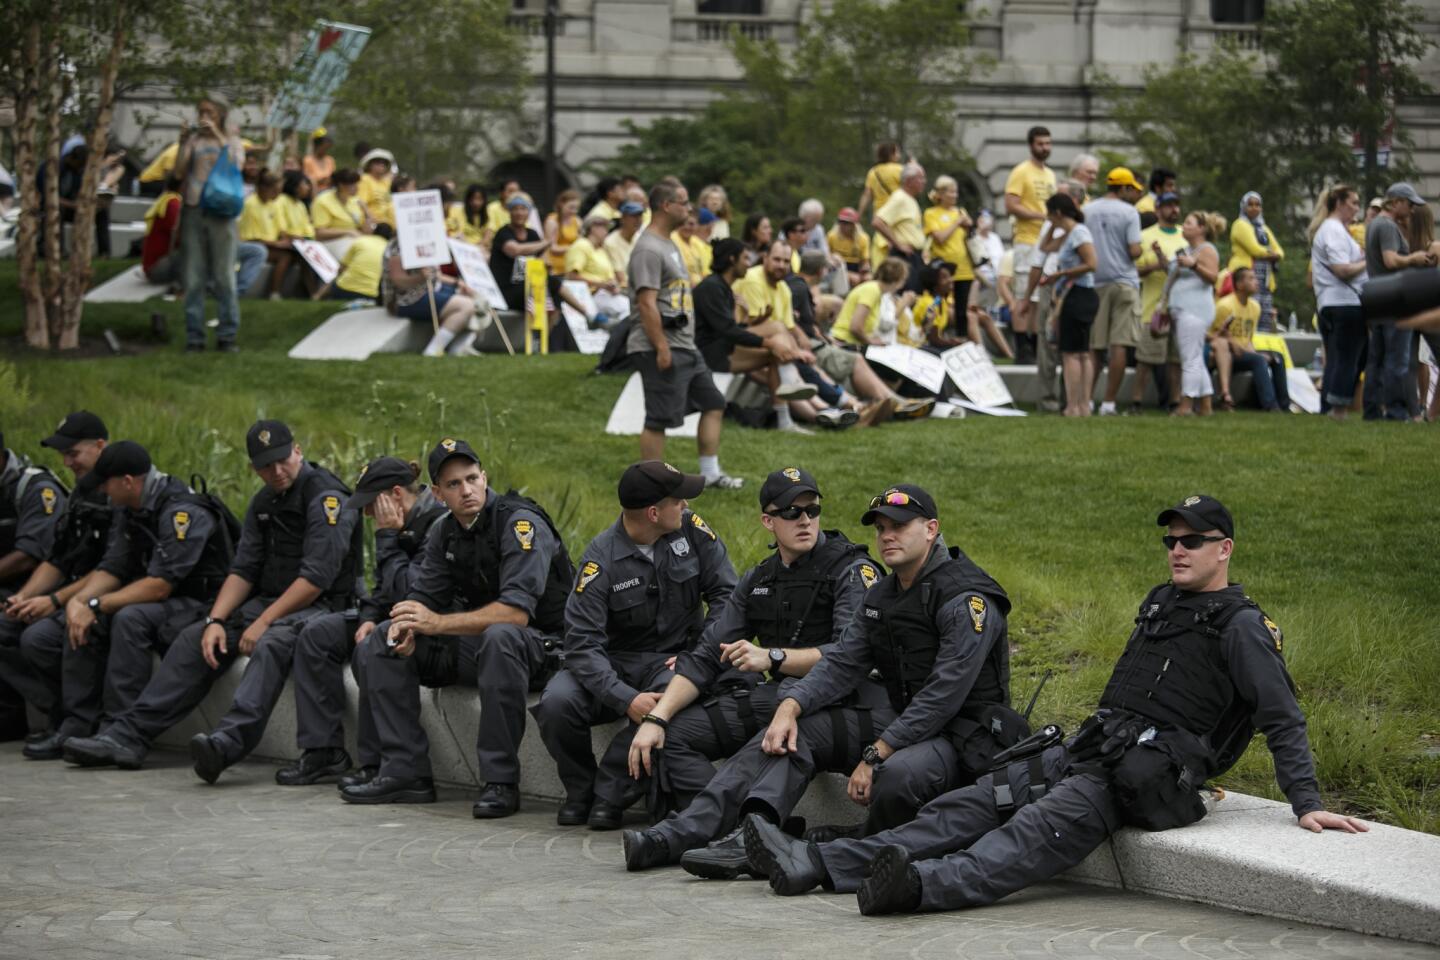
column 869, row 575
column 332, row 509
column 703, row 526
column 182, row 523
column 1275, row 634
column 977, row 613
column 588, row 572
column 525, row 533
column 47, row 500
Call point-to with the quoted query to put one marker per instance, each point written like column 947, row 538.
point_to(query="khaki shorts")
column 838, row 364
column 1020, row 283
column 1117, row 322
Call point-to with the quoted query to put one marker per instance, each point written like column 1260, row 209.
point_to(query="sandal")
column 1227, row 403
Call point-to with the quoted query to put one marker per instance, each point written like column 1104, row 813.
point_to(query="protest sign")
column 321, row 67
column 586, row 340
column 973, row 372
column 420, row 227
column 475, row 271
column 321, row 260
column 924, row 368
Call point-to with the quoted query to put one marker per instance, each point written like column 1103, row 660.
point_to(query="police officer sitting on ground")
column 30, row 503
column 935, row 629
column 297, row 558
column 79, row 542
column 636, row 605
column 1201, row 672
column 164, row 558
column 726, row 688
column 498, row 563
column 389, row 491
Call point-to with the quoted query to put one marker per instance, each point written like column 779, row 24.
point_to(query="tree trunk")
column 27, row 124
column 77, row 278
column 53, row 96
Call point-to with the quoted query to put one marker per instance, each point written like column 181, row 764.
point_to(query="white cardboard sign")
column 921, row 366
column 973, row 372
column 420, row 225
column 475, row 271
column 586, row 340
column 321, row 260
column 1302, row 390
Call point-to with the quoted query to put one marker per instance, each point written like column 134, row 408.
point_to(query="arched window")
column 1237, row 11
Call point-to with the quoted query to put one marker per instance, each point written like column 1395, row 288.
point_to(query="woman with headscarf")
column 1254, row 245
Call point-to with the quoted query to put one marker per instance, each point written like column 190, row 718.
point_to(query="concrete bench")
column 359, row 334
column 1247, row 855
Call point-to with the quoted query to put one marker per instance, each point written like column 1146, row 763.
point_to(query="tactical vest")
column 1173, row 670
column 410, row 539
column 83, row 531
column 283, row 518
column 794, row 606
column 13, row 494
column 904, row 638
column 474, row 556
column 142, row 530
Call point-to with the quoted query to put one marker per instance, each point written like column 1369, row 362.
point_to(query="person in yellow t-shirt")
column 318, row 164
column 497, row 215
column 898, row 224
column 159, row 169
column 361, row 267
column 562, row 227
column 694, row 250
column 1231, row 343
column 621, row 241
column 1252, row 244
column 932, row 316
column 763, row 296
column 850, row 244
column 588, row 260
column 260, row 223
column 882, row 179
column 1159, row 244
column 468, row 220
column 859, row 321
column 1027, row 188
column 338, row 215
column 947, row 228
column 295, row 193
column 1161, row 182
column 377, row 170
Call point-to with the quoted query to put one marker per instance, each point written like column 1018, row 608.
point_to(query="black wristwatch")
column 209, row 621
column 94, row 604
column 871, row 756
column 777, row 660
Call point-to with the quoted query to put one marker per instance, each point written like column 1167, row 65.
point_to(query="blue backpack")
column 224, row 193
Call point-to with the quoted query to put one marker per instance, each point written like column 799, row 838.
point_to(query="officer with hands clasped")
column 485, row 607
column 390, row 492
column 726, row 688
column 31, row 501
column 639, row 601
column 1202, row 670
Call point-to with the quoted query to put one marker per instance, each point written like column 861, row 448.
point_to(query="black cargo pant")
column 714, row 728
column 969, row 852
column 326, row 643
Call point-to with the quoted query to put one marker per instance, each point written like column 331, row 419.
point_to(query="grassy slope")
column 1336, row 540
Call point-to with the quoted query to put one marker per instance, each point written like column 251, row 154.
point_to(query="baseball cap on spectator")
column 123, row 459
column 593, row 219
column 901, row 503
column 80, row 425
column 518, row 200
column 783, row 486
column 1169, row 196
column 1123, row 177
column 1377, row 203
column 706, row 216
column 646, row 483
column 267, row 442
column 848, row 215
column 1403, row 191
column 321, row 134
column 376, row 477
column 1202, row 513
column 631, row 209
column 446, row 450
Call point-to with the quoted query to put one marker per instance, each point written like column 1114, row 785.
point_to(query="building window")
column 1237, row 11
column 750, row 8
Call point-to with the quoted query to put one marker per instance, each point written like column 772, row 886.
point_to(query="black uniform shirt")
column 327, row 536
column 38, row 510
column 181, row 532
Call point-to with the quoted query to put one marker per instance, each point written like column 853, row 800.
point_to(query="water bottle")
column 359, row 304
column 1294, row 323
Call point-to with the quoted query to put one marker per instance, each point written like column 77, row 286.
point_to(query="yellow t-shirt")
column 902, row 214
column 853, row 250
column 1242, row 320
column 459, row 227
column 260, row 221
column 496, row 216
column 882, row 180
column 1245, row 247
column 1153, row 283
column 157, row 209
column 756, row 294
column 698, row 255
column 295, row 218
column 360, row 268
column 1357, row 233
column 161, row 166
column 603, row 209
column 928, row 310
column 1145, row 204
column 328, row 213
column 375, row 194
column 618, row 249
column 953, row 250
column 565, row 236
column 1033, row 185
column 866, row 294
column 592, row 263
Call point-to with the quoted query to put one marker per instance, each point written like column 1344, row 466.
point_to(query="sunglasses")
column 793, row 513
column 1191, row 541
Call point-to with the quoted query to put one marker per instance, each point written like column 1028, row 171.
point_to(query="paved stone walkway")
column 101, row 864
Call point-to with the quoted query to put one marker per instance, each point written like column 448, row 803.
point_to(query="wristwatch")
column 871, row 756
column 209, row 621
column 777, row 659
column 94, row 604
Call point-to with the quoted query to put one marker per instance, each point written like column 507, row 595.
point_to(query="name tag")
column 760, row 592
column 872, row 613
column 625, row 585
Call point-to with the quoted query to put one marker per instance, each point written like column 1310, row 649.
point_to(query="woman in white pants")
column 1192, row 306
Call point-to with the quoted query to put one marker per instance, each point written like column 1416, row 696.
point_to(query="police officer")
column 389, row 491
column 79, row 542
column 164, row 558
column 1200, row 673
column 726, row 688
column 935, row 629
column 298, row 557
column 497, row 562
column 637, row 603
column 31, row 499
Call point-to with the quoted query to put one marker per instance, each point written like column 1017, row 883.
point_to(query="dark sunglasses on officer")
column 1190, row 541
column 793, row 512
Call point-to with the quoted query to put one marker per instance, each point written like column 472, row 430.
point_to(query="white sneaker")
column 794, row 391
column 796, row 428
column 837, row 419
column 725, row 482
column 1108, row 410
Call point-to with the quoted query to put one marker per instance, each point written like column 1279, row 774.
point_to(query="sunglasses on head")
column 894, row 498
column 1190, row 541
column 793, row 512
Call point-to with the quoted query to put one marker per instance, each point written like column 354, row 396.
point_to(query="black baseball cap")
column 1201, row 512
column 377, row 476
column 80, row 425
column 901, row 503
column 267, row 442
column 646, row 483
column 125, row 458
column 445, row 450
column 783, row 486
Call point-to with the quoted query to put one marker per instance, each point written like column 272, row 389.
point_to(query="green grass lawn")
column 1337, row 527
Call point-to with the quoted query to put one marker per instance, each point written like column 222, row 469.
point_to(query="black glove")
column 1122, row 731
column 1085, row 745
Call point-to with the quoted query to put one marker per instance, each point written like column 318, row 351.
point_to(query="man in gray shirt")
column 1387, row 252
column 1115, row 225
column 662, row 344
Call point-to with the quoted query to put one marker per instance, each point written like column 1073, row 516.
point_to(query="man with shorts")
column 1115, row 226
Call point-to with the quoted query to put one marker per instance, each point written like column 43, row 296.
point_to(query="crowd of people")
column 893, row 670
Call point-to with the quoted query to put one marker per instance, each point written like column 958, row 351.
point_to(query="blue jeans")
column 1385, row 372
column 207, row 250
column 250, row 258
column 824, row 389
column 1267, row 370
column 1344, row 331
